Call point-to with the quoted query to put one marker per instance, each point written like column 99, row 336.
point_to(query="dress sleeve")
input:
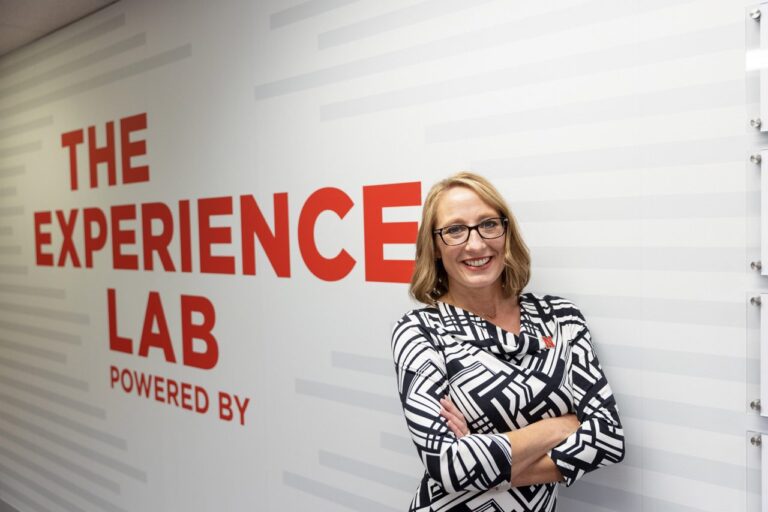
column 599, row 441
column 474, row 462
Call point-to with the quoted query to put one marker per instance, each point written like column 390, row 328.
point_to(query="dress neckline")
column 467, row 327
column 488, row 324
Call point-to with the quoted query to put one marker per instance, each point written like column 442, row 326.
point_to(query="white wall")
column 617, row 129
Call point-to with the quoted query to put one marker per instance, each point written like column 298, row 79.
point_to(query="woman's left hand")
column 456, row 421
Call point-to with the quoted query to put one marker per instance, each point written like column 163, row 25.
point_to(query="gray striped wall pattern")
column 617, row 129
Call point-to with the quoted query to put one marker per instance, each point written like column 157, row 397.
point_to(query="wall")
column 617, row 130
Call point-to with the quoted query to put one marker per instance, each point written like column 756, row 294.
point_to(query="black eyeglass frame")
column 476, row 227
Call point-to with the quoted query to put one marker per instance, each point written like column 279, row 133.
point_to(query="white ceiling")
column 23, row 21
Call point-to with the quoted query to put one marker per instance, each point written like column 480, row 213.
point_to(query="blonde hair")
column 430, row 281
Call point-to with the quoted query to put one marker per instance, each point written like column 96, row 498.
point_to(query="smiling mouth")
column 479, row 262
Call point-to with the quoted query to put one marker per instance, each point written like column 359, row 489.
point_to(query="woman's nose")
column 474, row 240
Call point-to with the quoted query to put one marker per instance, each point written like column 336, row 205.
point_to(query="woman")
column 502, row 392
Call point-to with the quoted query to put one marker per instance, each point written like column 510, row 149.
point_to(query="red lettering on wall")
column 93, row 242
column 160, row 338
column 156, row 242
column 71, row 140
column 209, row 235
column 158, row 225
column 130, row 149
column 116, row 342
column 185, row 237
column 42, row 238
column 275, row 244
column 67, row 226
column 325, row 199
column 155, row 332
column 104, row 154
column 190, row 331
column 122, row 237
column 378, row 233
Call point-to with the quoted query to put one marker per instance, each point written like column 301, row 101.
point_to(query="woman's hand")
column 530, row 463
column 566, row 424
column 456, row 421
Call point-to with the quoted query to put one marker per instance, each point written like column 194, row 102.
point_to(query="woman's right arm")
column 530, row 444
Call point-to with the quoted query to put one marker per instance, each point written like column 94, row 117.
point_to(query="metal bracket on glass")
column 758, row 55
column 761, row 158
column 757, row 463
column 761, row 442
column 755, row 404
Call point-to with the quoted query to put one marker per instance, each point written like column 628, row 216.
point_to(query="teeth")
column 477, row 263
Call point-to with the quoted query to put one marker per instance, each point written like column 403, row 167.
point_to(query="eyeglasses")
column 457, row 234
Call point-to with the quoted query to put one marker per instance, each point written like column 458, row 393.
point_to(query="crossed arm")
column 530, row 463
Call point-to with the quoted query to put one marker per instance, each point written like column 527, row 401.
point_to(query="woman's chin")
column 480, row 281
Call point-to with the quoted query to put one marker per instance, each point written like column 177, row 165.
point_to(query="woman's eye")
column 453, row 230
column 489, row 224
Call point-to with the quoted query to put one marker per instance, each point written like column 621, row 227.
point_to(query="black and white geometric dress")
column 500, row 382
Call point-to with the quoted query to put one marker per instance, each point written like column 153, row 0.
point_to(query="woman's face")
column 477, row 263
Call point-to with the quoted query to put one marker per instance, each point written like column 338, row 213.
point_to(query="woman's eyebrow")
column 459, row 220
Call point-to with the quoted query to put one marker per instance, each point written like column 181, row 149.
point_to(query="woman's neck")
column 487, row 302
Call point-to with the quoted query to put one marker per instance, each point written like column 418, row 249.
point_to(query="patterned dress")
column 500, row 382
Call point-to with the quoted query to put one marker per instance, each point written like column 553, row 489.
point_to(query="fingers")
column 456, row 421
column 572, row 421
column 446, row 402
column 575, row 423
column 455, row 429
column 569, row 423
column 451, row 418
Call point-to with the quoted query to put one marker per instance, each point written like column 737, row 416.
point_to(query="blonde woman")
column 501, row 390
